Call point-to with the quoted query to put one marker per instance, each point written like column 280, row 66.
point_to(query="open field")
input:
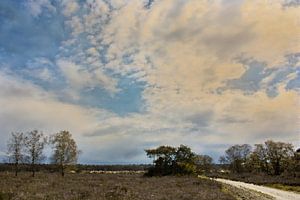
column 108, row 186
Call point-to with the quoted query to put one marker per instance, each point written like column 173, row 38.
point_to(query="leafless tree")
column 34, row 146
column 15, row 149
column 203, row 162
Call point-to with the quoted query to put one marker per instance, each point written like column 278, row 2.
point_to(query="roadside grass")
column 109, row 187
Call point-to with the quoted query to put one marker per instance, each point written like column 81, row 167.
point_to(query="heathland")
column 109, row 187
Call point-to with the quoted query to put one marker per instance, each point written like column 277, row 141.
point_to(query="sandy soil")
column 275, row 193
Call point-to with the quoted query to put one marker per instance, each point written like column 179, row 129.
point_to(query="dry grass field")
column 108, row 186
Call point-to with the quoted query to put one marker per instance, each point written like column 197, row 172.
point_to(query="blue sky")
column 123, row 75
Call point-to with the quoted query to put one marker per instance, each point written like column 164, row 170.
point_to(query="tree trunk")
column 267, row 167
column 277, row 168
column 16, row 170
column 32, row 167
column 62, row 170
column 33, row 171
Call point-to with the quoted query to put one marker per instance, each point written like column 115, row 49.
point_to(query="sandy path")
column 277, row 194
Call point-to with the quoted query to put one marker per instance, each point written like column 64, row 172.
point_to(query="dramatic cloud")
column 203, row 73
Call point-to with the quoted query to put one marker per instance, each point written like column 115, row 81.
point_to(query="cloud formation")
column 79, row 78
column 209, row 73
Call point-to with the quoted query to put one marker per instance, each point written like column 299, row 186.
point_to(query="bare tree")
column 65, row 150
column 203, row 162
column 34, row 146
column 15, row 149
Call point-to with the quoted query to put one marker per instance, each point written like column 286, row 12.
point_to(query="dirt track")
column 275, row 193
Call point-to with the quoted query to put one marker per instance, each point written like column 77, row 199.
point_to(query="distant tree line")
column 169, row 160
column 76, row 168
column 29, row 148
column 272, row 158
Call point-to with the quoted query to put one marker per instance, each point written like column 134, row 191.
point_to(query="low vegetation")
column 173, row 172
column 108, row 187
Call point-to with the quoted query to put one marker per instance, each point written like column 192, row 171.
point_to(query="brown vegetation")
column 108, row 186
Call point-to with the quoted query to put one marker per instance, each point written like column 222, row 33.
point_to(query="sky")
column 127, row 75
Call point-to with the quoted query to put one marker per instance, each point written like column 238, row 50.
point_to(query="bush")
column 185, row 168
column 172, row 161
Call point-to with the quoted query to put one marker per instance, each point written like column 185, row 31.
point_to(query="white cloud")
column 25, row 103
column 79, row 78
column 76, row 24
column 187, row 49
column 36, row 6
column 39, row 68
column 70, row 7
column 195, row 122
column 25, row 107
column 43, row 74
column 183, row 51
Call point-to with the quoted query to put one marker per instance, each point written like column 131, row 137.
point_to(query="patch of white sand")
column 276, row 193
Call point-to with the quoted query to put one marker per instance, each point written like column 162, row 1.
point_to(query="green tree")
column 237, row 156
column 170, row 160
column 15, row 150
column 184, row 154
column 65, row 150
column 253, row 163
column 279, row 153
column 292, row 164
column 184, row 160
column 297, row 161
column 34, row 146
column 163, row 159
column 260, row 158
